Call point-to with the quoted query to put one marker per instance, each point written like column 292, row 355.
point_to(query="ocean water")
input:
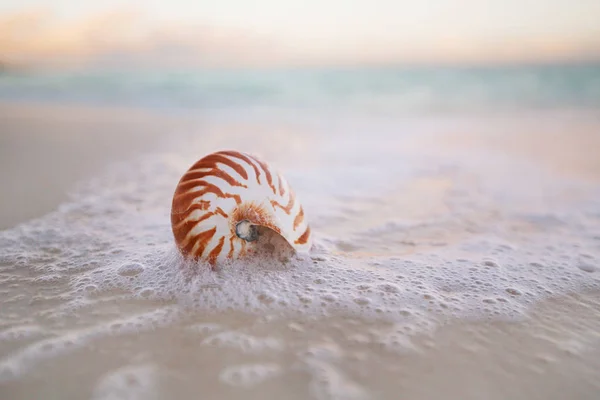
column 414, row 233
column 365, row 90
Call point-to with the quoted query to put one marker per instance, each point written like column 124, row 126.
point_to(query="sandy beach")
column 53, row 147
column 550, row 350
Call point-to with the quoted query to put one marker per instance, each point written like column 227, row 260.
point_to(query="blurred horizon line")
column 8, row 67
column 125, row 39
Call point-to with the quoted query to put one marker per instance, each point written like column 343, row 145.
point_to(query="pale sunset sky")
column 297, row 32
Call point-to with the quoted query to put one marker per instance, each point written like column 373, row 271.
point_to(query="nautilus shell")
column 226, row 201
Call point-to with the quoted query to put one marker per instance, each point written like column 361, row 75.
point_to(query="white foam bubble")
column 204, row 328
column 328, row 382
column 243, row 342
column 22, row 332
column 131, row 382
column 249, row 375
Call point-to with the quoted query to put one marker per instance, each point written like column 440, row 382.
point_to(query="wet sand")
column 553, row 354
column 46, row 149
column 567, row 146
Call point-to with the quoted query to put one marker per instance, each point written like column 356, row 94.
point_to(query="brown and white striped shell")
column 223, row 199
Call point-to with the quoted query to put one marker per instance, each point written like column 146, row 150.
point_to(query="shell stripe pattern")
column 227, row 187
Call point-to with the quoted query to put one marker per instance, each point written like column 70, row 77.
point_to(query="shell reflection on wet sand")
column 226, row 201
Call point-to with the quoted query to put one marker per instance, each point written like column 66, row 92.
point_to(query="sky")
column 298, row 32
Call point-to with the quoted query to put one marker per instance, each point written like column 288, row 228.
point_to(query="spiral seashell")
column 226, row 200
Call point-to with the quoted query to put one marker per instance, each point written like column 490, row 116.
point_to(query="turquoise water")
column 385, row 90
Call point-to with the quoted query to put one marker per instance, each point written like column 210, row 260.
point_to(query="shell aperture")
column 223, row 202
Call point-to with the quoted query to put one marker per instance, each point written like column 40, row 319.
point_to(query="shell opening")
column 246, row 231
